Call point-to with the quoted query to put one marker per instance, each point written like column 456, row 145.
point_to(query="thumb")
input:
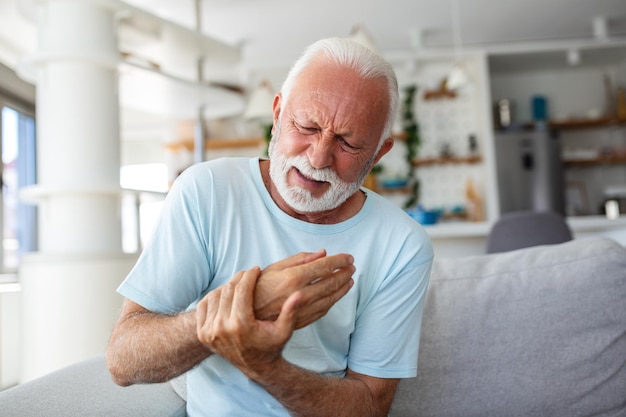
column 298, row 259
column 288, row 316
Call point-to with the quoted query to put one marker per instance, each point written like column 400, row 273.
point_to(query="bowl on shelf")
column 424, row 217
column 394, row 183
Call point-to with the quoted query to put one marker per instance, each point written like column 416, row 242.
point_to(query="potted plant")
column 412, row 138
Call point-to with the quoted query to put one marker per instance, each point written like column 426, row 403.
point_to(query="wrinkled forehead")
column 324, row 83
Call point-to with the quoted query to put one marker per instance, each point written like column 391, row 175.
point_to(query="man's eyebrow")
column 306, row 119
column 311, row 119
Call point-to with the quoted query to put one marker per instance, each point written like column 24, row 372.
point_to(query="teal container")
column 539, row 105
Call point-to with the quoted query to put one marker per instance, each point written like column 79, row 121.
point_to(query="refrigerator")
column 530, row 171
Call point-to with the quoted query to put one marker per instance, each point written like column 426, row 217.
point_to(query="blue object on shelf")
column 395, row 183
column 539, row 106
column 424, row 217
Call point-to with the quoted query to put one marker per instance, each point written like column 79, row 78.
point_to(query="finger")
column 225, row 300
column 206, row 312
column 201, row 313
column 319, row 308
column 237, row 277
column 244, row 295
column 327, row 285
column 323, row 267
column 319, row 296
column 219, row 307
column 298, row 259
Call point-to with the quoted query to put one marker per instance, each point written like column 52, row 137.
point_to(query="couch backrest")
column 534, row 332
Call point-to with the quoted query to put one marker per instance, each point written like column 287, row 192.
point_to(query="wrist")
column 269, row 372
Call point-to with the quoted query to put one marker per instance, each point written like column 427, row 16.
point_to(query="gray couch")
column 534, row 332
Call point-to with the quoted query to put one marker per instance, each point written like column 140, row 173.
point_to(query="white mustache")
column 301, row 163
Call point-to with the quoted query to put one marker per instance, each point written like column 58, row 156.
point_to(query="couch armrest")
column 86, row 389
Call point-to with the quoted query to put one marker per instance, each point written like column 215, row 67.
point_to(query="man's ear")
column 276, row 107
column 387, row 145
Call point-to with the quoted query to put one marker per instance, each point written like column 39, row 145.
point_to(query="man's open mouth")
column 308, row 179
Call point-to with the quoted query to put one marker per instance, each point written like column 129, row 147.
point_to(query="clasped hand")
column 249, row 320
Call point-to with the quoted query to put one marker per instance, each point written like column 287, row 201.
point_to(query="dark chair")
column 522, row 229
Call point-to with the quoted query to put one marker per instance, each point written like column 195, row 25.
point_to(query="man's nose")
column 320, row 152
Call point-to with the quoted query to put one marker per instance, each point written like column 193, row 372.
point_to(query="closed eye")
column 345, row 144
column 306, row 129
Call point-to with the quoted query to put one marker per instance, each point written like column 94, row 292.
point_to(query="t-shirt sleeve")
column 173, row 269
column 385, row 342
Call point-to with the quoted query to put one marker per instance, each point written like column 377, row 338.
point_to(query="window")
column 145, row 188
column 18, row 224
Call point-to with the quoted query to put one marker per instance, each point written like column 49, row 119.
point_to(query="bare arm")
column 304, row 393
column 150, row 347
column 228, row 327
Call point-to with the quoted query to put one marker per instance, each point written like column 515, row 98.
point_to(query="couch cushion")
column 534, row 332
column 86, row 389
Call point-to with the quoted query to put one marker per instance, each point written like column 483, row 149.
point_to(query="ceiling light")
column 458, row 77
column 573, row 57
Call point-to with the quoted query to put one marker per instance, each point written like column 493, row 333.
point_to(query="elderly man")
column 281, row 286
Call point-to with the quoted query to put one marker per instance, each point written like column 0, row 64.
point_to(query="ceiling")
column 275, row 31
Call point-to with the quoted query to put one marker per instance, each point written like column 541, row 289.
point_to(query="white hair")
column 350, row 54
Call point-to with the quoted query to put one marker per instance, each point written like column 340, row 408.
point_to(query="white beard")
column 300, row 199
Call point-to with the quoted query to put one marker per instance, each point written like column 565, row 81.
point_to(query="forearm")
column 146, row 347
column 305, row 393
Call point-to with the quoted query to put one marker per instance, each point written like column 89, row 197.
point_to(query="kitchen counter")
column 454, row 239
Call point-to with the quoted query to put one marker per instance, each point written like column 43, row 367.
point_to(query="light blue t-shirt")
column 219, row 219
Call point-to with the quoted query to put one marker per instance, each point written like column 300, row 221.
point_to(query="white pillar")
column 69, row 307
column 69, row 303
column 77, row 127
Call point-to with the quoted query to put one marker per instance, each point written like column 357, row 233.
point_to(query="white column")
column 69, row 303
column 77, row 127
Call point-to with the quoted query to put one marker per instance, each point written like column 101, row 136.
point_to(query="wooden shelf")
column 394, row 190
column 600, row 160
column 234, row 143
column 473, row 159
column 439, row 94
column 217, row 144
column 571, row 124
column 401, row 136
column 585, row 123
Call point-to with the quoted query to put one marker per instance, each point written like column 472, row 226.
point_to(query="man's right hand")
column 321, row 279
